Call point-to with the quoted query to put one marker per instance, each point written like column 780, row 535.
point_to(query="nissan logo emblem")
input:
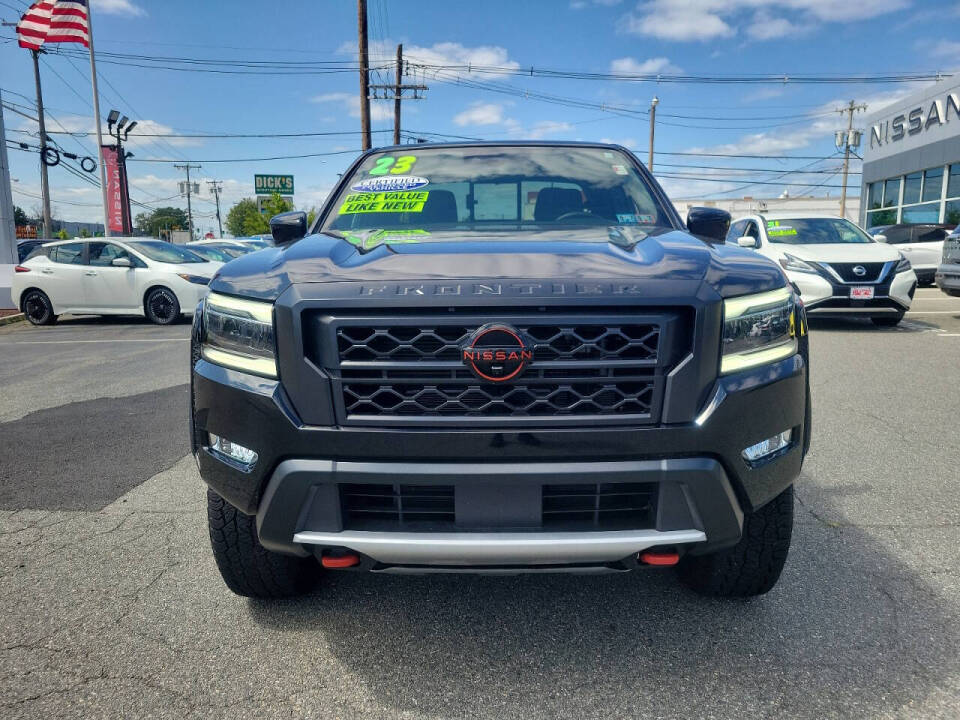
column 496, row 353
column 859, row 270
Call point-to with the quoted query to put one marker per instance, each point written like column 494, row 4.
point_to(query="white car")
column 836, row 267
column 920, row 243
column 112, row 276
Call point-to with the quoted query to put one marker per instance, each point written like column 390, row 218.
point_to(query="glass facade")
column 919, row 197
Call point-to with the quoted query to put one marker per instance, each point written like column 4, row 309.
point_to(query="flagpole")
column 96, row 113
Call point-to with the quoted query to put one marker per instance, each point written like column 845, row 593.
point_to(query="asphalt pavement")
column 111, row 604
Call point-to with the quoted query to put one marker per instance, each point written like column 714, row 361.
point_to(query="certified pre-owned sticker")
column 390, row 183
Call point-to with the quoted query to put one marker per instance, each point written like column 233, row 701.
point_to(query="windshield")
column 815, row 231
column 414, row 192
column 211, row 253
column 166, row 252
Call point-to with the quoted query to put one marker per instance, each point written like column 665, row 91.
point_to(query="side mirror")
column 121, row 262
column 712, row 224
column 289, row 226
column 880, row 238
column 746, row 241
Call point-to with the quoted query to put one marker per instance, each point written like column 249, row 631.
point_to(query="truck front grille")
column 872, row 271
column 579, row 342
column 521, row 399
column 395, row 507
column 406, row 369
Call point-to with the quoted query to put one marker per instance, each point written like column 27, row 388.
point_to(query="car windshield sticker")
column 619, row 169
column 626, row 218
column 356, row 203
column 390, row 183
column 369, row 239
column 775, row 229
column 395, row 166
column 645, row 219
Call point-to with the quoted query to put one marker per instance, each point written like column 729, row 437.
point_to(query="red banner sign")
column 115, row 209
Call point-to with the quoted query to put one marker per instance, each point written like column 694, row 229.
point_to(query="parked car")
column 837, row 268
column 500, row 358
column 212, row 252
column 255, row 241
column 921, row 244
column 113, row 276
column 25, row 247
column 231, row 247
column 948, row 273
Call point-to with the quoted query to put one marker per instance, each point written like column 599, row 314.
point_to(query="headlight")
column 903, row 265
column 239, row 334
column 757, row 329
column 195, row 279
column 789, row 262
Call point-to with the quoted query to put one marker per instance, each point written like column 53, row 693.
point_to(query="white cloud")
column 118, row 7
column 383, row 53
column 581, row 4
column 481, row 113
column 548, row 128
column 693, row 20
column 627, row 142
column 630, row 66
column 948, row 49
column 351, row 102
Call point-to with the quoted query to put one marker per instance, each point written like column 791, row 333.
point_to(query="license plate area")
column 861, row 293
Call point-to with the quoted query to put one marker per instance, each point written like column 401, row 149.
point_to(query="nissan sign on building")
column 911, row 159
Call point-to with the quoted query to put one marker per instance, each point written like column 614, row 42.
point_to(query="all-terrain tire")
column 37, row 308
column 247, row 567
column 752, row 566
column 161, row 306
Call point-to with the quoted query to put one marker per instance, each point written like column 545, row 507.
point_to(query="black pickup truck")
column 500, row 358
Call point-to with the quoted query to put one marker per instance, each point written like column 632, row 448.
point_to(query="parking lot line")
column 933, row 312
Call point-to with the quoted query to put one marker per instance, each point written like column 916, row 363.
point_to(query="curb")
column 10, row 319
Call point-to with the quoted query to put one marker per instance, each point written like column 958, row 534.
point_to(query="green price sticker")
column 357, row 203
column 392, row 165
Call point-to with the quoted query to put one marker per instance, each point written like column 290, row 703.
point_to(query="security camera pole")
column 114, row 127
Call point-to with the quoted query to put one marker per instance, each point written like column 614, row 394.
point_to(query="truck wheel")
column 248, row 568
column 37, row 308
column 888, row 321
column 753, row 565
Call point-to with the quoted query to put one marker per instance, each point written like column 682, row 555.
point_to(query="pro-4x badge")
column 496, row 353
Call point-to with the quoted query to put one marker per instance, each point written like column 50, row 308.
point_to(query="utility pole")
column 397, row 90
column 364, row 75
column 188, row 167
column 216, row 187
column 653, row 123
column 44, row 181
column 8, row 231
column 850, row 139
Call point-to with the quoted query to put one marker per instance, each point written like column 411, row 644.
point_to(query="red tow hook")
column 659, row 557
column 339, row 561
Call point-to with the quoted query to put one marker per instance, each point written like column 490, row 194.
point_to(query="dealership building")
column 911, row 159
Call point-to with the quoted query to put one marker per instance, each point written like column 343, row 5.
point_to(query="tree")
column 166, row 217
column 63, row 235
column 84, row 233
column 244, row 218
column 19, row 216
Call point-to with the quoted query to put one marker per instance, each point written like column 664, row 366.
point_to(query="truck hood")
column 840, row 252
column 665, row 262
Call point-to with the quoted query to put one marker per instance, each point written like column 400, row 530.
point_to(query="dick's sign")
column 270, row 184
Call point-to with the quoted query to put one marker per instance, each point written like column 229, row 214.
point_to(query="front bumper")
column 824, row 295
column 702, row 483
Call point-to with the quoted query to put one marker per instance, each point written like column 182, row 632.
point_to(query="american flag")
column 49, row 21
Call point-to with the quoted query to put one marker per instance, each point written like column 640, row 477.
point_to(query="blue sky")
column 718, row 37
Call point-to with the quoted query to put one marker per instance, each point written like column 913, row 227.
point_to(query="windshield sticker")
column 371, row 238
column 627, row 218
column 390, row 183
column 395, row 166
column 645, row 219
column 619, row 169
column 356, row 203
column 781, row 230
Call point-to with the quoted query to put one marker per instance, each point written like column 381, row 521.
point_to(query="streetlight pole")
column 653, row 123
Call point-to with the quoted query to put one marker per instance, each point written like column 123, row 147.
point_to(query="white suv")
column 130, row 276
column 835, row 266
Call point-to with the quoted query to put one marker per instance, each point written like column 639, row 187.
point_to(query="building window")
column 932, row 184
column 874, row 195
column 953, row 182
column 911, row 188
column 891, row 192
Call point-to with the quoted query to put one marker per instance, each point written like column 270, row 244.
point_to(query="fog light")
column 231, row 451
column 768, row 446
